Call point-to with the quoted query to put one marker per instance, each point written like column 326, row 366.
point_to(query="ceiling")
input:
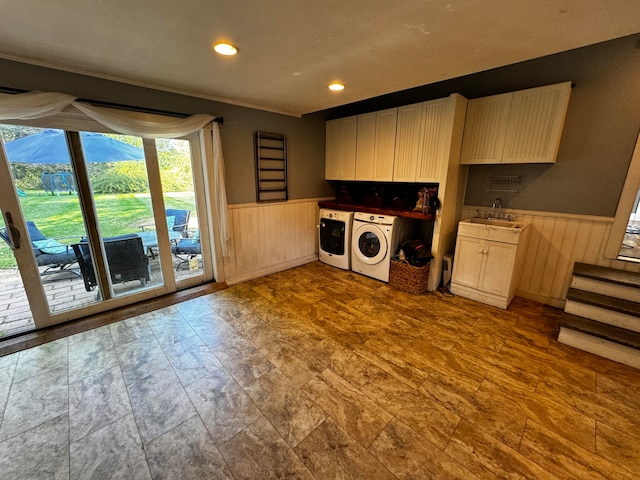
column 291, row 49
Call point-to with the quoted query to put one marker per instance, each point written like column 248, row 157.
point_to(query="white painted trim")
column 625, row 205
column 609, row 289
column 272, row 269
column 473, row 294
column 598, row 346
column 603, row 315
column 269, row 204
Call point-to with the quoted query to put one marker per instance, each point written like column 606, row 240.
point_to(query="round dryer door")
column 370, row 244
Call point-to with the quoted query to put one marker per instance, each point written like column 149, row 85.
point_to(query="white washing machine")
column 335, row 238
column 375, row 239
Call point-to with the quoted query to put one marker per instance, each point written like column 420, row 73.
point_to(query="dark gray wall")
column 305, row 137
column 599, row 135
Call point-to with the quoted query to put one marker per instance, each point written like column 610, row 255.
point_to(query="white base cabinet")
column 488, row 262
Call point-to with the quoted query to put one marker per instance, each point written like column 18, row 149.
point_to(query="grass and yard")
column 59, row 217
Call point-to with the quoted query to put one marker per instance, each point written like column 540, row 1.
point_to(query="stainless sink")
column 494, row 222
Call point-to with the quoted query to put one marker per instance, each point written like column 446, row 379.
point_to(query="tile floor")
column 319, row 373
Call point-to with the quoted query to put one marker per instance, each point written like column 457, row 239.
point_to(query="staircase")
column 602, row 313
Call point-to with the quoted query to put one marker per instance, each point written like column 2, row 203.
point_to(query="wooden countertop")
column 375, row 210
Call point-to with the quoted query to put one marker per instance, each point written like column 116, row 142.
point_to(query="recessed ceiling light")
column 224, row 48
column 336, row 86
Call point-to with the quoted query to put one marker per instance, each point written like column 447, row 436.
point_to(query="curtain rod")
column 98, row 103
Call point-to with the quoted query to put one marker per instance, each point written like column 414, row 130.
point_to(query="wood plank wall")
column 270, row 237
column 556, row 242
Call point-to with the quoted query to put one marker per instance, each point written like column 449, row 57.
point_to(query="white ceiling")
column 291, row 49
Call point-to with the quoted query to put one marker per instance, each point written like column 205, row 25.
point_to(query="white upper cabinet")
column 365, row 145
column 435, row 140
column 407, row 148
column 423, row 140
column 535, row 124
column 376, row 145
column 413, row 143
column 385, row 145
column 516, row 127
column 484, row 129
column 340, row 152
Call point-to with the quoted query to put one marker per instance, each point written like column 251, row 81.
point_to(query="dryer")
column 375, row 239
column 335, row 238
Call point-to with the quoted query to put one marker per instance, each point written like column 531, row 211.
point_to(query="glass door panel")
column 43, row 181
column 124, row 214
column 15, row 314
column 105, row 220
column 179, row 193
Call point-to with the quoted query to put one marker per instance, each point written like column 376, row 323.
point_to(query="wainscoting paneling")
column 556, row 242
column 271, row 237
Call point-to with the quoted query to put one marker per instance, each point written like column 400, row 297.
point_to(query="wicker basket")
column 408, row 278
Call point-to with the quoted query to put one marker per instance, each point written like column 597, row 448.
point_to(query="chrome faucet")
column 498, row 202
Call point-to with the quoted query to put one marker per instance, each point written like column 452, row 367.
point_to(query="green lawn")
column 59, row 217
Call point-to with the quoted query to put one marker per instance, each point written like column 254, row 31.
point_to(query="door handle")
column 14, row 233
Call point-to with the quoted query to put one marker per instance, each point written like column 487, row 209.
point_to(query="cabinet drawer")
column 488, row 232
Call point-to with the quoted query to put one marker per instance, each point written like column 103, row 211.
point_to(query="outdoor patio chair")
column 181, row 220
column 186, row 249
column 177, row 220
column 49, row 253
column 126, row 259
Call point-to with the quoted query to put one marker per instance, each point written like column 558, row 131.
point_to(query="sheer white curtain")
column 32, row 105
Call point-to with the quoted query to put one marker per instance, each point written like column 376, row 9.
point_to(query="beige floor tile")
column 407, row 455
column 330, row 452
column 259, row 452
column 358, row 414
column 565, row 459
column 426, row 416
column 571, row 424
column 316, row 371
column 495, row 415
column 618, row 447
column 293, row 414
column 487, row 457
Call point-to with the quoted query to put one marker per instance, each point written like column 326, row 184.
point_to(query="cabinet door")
column 348, row 134
column 365, row 146
column 385, row 144
column 340, row 149
column 408, row 138
column 435, row 134
column 484, row 129
column 468, row 261
column 535, row 124
column 497, row 271
column 332, row 150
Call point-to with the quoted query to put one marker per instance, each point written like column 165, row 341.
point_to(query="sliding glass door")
column 93, row 221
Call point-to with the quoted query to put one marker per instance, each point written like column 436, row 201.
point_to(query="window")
column 624, row 239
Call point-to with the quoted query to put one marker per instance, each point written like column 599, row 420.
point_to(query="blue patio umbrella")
column 50, row 147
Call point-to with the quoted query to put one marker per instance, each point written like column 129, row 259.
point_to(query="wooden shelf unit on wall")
column 271, row 167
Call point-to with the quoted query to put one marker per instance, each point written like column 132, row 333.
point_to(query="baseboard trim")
column 271, row 269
